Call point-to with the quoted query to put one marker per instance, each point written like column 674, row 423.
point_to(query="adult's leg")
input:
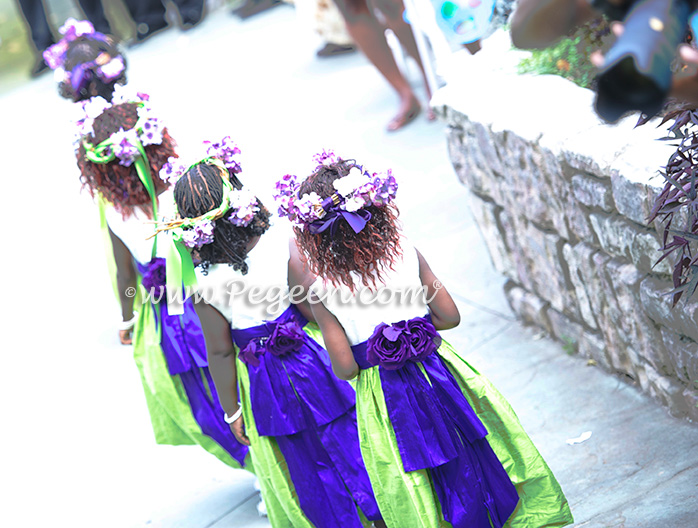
column 393, row 11
column 37, row 22
column 191, row 12
column 149, row 16
column 94, row 11
column 369, row 35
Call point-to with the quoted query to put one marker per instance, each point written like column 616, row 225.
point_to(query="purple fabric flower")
column 424, row 338
column 155, row 277
column 286, row 337
column 389, row 346
column 251, row 353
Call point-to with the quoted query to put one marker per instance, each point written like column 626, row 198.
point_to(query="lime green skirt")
column 408, row 500
column 170, row 413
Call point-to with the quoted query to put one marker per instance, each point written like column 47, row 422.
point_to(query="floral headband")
column 240, row 206
column 241, row 203
column 128, row 146
column 353, row 193
column 106, row 67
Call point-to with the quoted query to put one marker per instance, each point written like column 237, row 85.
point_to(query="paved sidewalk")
column 78, row 447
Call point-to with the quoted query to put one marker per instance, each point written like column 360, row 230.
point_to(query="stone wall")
column 562, row 200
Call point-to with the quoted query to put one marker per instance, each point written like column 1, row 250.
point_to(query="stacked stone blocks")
column 572, row 236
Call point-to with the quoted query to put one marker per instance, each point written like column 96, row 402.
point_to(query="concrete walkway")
column 77, row 444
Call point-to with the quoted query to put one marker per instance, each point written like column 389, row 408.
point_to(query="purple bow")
column 78, row 76
column 356, row 219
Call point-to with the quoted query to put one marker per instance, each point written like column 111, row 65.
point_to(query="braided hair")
column 200, row 190
column 83, row 50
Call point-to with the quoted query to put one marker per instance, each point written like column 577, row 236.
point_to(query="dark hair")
column 118, row 184
column 199, row 191
column 367, row 252
column 86, row 49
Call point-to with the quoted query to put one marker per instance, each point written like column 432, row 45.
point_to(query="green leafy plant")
column 570, row 58
column 569, row 345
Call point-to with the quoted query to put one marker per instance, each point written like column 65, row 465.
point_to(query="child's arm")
column 220, row 352
column 444, row 313
column 126, row 278
column 336, row 341
column 299, row 281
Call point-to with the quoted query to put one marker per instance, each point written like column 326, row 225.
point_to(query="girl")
column 86, row 63
column 297, row 418
column 439, row 443
column 121, row 149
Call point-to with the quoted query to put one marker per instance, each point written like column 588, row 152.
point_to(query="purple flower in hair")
column 204, row 229
column 285, row 338
column 251, row 353
column 225, row 151
column 72, row 29
column 54, row 55
column 125, row 146
column 172, row 170
column 384, row 188
column 151, row 132
column 326, row 157
column 243, row 207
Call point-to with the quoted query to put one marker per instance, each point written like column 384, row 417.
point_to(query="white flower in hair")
column 352, row 181
column 309, row 204
column 354, row 203
column 95, row 106
column 59, row 75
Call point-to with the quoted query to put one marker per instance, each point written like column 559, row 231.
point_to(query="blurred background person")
column 538, row 24
column 37, row 21
column 253, row 7
column 150, row 19
column 369, row 35
column 327, row 22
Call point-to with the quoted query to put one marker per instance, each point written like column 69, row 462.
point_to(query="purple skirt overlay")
column 184, row 349
column 436, row 429
column 296, row 399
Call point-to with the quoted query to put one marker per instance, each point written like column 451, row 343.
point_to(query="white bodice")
column 135, row 230
column 399, row 297
column 261, row 295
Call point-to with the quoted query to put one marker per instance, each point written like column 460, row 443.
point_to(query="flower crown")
column 353, row 193
column 106, row 67
column 241, row 204
column 126, row 145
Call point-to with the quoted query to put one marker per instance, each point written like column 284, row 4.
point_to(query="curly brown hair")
column 86, row 49
column 368, row 252
column 199, row 191
column 120, row 185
